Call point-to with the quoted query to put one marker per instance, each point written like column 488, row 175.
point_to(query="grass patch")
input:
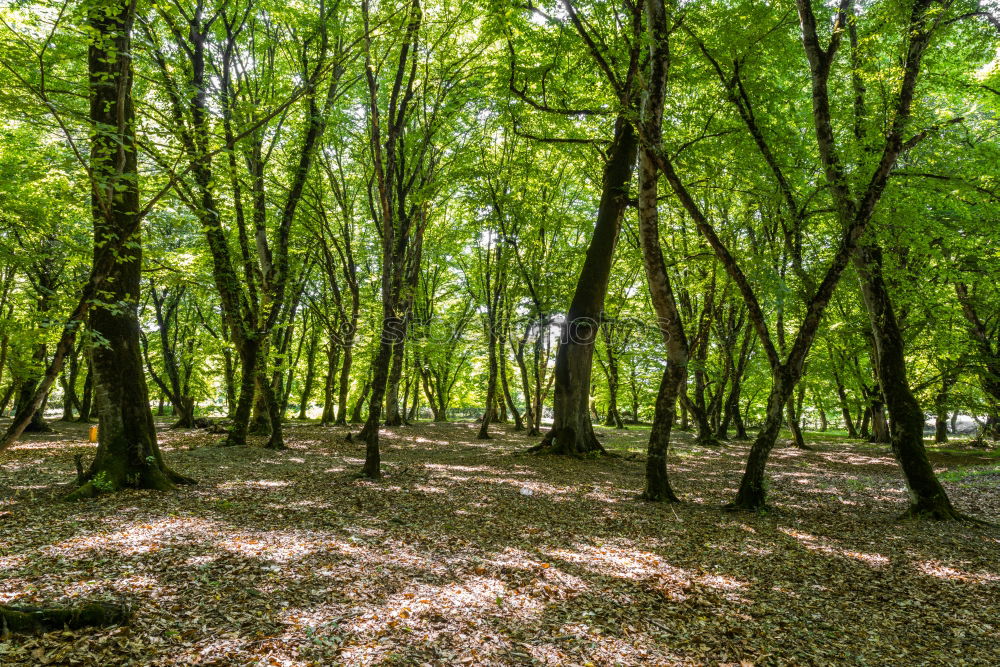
column 973, row 475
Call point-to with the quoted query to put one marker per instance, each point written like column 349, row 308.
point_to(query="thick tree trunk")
column 393, row 417
column 941, row 426
column 127, row 452
column 879, row 422
column 229, row 369
column 752, row 493
column 380, row 376
column 237, row 436
column 927, row 497
column 572, row 431
column 260, row 421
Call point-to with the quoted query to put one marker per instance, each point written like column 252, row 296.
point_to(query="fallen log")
column 28, row 619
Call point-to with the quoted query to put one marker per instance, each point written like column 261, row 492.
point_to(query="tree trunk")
column 345, row 384
column 274, row 412
column 229, row 378
column 491, row 382
column 260, row 421
column 927, row 497
column 329, row 384
column 572, row 431
column 380, row 376
column 392, row 415
column 359, row 405
column 237, row 436
column 127, row 452
column 518, row 423
column 5, row 398
column 310, row 375
column 845, row 409
column 529, row 413
column 24, row 397
column 879, row 422
column 658, row 486
column 793, row 425
column 752, row 493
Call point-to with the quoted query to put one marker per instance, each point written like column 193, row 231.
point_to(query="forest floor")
column 470, row 552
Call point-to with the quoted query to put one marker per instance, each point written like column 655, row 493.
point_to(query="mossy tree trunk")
column 127, row 452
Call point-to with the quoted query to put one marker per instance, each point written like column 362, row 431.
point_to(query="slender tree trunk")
column 529, row 413
column 329, row 385
column 658, row 486
column 87, row 401
column 7, row 395
column 307, row 384
column 845, row 408
column 518, row 423
column 491, row 383
column 793, row 425
column 345, row 384
column 360, row 403
column 274, row 411
column 229, row 368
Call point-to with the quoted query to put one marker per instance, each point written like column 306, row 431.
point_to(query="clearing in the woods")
column 470, row 552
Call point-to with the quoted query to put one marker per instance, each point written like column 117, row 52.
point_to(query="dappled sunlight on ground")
column 471, row 552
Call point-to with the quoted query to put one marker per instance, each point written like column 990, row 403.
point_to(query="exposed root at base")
column 940, row 514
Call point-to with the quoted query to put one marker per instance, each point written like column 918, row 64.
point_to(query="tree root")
column 42, row 619
column 154, row 478
column 918, row 513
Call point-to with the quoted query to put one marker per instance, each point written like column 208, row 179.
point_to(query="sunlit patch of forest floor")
column 469, row 552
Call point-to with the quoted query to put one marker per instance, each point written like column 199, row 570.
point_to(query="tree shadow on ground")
column 469, row 550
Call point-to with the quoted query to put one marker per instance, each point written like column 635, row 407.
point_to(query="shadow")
column 469, row 552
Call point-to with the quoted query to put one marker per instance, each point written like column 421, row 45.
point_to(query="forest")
column 501, row 332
